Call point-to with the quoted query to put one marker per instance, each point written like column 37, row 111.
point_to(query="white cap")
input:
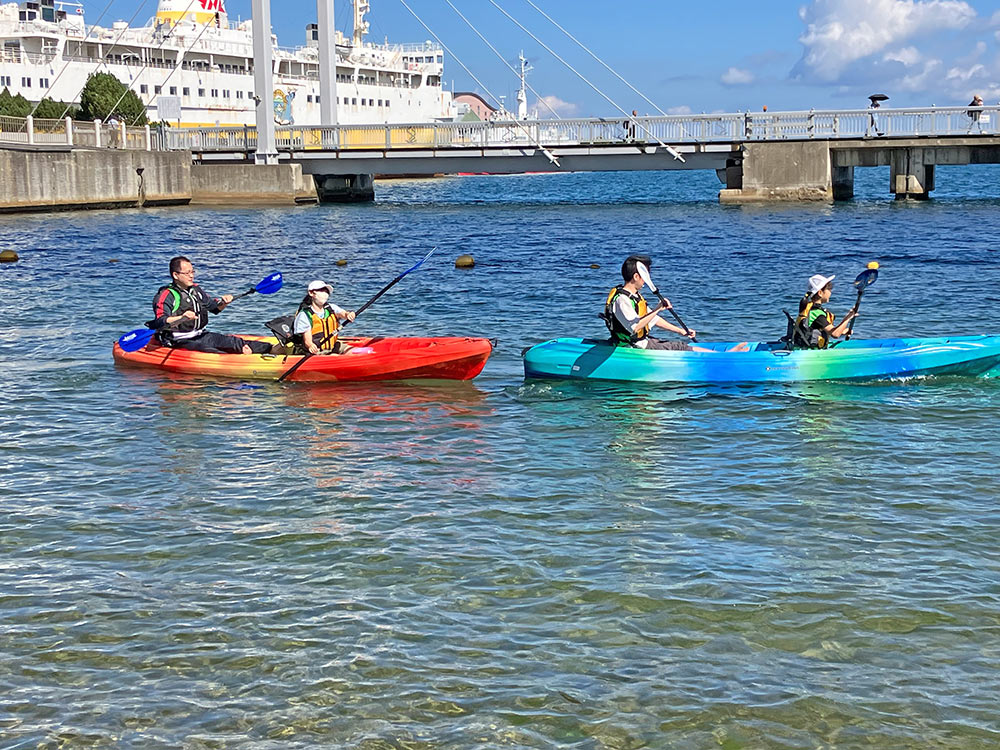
column 816, row 282
column 317, row 285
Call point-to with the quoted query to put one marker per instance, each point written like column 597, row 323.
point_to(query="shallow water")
column 199, row 563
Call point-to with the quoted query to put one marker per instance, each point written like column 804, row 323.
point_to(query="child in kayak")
column 317, row 322
column 814, row 325
column 629, row 318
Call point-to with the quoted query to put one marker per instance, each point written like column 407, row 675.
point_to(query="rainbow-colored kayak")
column 373, row 358
column 763, row 362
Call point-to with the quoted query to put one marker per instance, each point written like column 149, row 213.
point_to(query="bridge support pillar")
column 345, row 188
column 910, row 176
column 782, row 171
column 843, row 183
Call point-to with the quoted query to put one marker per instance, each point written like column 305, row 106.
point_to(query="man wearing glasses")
column 181, row 309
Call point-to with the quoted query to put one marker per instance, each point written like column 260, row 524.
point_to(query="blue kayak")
column 746, row 362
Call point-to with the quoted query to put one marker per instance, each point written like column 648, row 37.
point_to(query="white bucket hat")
column 816, row 282
column 317, row 285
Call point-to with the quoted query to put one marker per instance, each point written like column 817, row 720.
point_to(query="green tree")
column 49, row 109
column 105, row 95
column 14, row 106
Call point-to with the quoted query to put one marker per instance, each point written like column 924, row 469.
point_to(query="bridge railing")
column 676, row 129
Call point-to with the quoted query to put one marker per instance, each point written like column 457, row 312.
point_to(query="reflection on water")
column 194, row 562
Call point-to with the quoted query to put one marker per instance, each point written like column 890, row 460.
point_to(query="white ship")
column 189, row 54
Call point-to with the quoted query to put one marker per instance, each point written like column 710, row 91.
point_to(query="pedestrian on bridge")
column 975, row 114
column 874, row 126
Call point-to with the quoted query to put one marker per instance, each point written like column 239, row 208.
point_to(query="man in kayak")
column 181, row 309
column 814, row 325
column 629, row 318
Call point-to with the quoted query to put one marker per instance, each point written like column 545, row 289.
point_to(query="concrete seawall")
column 89, row 178
column 249, row 184
column 33, row 179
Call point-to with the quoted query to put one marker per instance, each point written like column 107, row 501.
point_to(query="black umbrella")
column 878, row 97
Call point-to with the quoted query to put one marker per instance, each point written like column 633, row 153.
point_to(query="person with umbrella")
column 873, row 123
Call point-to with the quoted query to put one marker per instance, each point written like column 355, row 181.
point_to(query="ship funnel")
column 198, row 11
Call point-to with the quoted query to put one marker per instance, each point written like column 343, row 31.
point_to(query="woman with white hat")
column 318, row 320
column 814, row 326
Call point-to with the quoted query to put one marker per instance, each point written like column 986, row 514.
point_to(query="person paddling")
column 629, row 318
column 814, row 326
column 181, row 311
column 318, row 320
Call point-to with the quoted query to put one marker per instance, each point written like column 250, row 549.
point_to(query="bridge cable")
column 103, row 62
column 504, row 61
column 180, row 59
column 673, row 152
column 610, row 69
column 66, row 64
column 548, row 154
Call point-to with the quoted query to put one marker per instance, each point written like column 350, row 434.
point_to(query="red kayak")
column 373, row 358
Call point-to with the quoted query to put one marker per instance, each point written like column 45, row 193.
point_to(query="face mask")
column 321, row 297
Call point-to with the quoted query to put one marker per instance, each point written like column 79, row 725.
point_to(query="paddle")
column 360, row 310
column 135, row 340
column 864, row 280
column 644, row 275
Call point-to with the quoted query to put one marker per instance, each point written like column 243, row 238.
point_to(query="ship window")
column 43, row 82
column 156, row 89
column 215, row 93
column 186, row 91
column 309, row 98
column 143, row 88
column 26, row 82
column 201, row 92
column 317, row 98
column 239, row 94
column 4, row 80
column 249, row 95
column 225, row 93
column 173, row 91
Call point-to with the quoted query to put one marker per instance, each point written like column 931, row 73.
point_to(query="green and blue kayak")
column 734, row 362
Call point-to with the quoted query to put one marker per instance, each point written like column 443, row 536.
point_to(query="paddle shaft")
column 857, row 305
column 681, row 323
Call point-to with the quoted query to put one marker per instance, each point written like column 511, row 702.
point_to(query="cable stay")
column 103, row 62
column 610, row 69
column 66, row 64
column 503, row 60
column 673, row 152
column 548, row 154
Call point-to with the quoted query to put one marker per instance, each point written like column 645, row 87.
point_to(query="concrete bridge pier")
column 910, row 176
column 781, row 171
column 843, row 183
column 345, row 188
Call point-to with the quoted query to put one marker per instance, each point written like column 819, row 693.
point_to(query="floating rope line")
column 66, row 64
column 548, row 154
column 497, row 52
column 673, row 152
column 593, row 55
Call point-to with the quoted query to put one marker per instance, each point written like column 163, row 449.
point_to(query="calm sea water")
column 207, row 564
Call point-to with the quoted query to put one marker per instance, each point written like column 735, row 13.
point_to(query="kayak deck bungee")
column 871, row 359
column 374, row 358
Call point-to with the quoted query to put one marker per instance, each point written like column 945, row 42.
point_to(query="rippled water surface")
column 201, row 563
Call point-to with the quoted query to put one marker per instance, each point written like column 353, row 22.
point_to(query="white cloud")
column 909, row 56
column 737, row 77
column 557, row 105
column 681, row 110
column 839, row 32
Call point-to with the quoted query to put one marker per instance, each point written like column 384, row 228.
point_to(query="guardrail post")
column 69, row 131
column 388, row 137
column 122, row 134
column 97, row 133
column 29, row 124
column 149, row 139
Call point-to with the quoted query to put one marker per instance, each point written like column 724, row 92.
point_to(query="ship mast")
column 361, row 7
column 522, row 96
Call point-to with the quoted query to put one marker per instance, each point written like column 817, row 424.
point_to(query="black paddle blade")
column 865, row 279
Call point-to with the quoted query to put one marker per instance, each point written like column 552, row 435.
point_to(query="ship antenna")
column 361, row 7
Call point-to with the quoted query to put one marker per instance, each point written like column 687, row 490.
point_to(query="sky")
column 709, row 56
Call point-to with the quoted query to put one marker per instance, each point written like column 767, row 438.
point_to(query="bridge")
column 808, row 155
column 799, row 156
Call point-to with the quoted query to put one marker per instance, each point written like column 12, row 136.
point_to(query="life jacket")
column 620, row 335
column 804, row 335
column 324, row 329
column 183, row 300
